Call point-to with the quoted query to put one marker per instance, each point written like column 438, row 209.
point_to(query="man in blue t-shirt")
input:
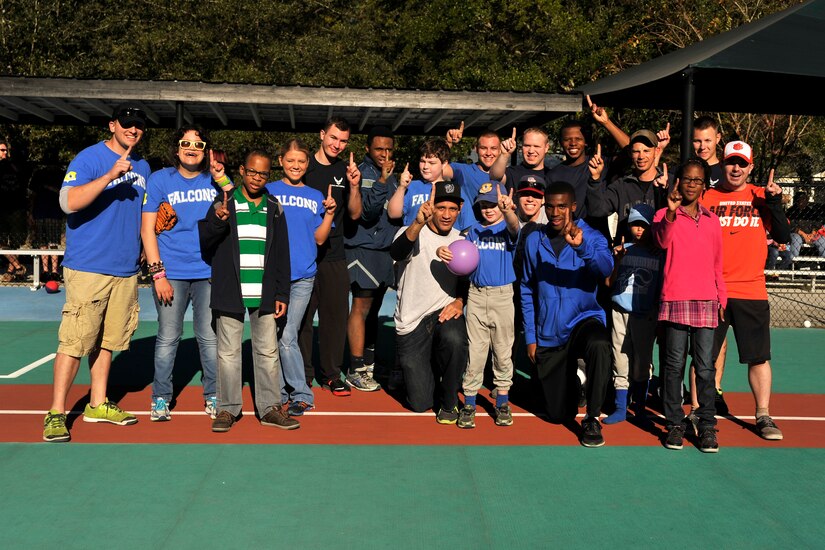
column 470, row 177
column 102, row 195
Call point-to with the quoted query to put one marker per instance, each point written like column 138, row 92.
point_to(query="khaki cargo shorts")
column 101, row 311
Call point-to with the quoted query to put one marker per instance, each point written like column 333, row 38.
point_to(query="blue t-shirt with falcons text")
column 418, row 192
column 304, row 211
column 190, row 198
column 470, row 177
column 496, row 250
column 104, row 237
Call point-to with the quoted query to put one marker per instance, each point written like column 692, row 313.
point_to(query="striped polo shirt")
column 252, row 245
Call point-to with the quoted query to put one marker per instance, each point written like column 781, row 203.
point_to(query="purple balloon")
column 465, row 257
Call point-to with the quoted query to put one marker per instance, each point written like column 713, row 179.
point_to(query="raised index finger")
column 126, row 153
column 329, row 192
column 770, row 177
column 514, row 133
column 599, row 150
column 667, row 128
column 351, row 159
column 432, row 195
column 461, row 127
column 589, row 102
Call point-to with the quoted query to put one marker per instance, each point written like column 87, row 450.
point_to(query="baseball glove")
column 167, row 218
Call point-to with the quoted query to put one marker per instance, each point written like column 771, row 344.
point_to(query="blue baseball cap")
column 487, row 193
column 640, row 213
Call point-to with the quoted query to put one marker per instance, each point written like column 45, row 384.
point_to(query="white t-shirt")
column 425, row 284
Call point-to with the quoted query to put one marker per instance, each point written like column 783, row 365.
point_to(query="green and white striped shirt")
column 252, row 245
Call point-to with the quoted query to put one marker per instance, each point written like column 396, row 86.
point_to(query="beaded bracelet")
column 159, row 275
column 156, row 267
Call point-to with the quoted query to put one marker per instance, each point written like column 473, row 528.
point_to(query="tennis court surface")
column 364, row 472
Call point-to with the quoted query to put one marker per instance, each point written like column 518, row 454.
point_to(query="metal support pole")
column 687, row 115
column 178, row 114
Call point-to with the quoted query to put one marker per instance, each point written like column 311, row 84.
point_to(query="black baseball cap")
column 129, row 115
column 448, row 191
column 530, row 183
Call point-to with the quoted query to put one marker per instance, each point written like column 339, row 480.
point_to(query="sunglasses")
column 4, row 150
column 252, row 173
column 186, row 144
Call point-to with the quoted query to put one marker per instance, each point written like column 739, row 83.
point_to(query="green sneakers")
column 108, row 412
column 54, row 428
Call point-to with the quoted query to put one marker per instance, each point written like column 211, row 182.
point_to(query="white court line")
column 427, row 415
column 30, row 366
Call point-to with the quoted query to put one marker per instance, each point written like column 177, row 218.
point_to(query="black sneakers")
column 707, row 441
column 591, row 433
column 675, row 437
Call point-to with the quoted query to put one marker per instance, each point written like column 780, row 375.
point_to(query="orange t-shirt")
column 743, row 239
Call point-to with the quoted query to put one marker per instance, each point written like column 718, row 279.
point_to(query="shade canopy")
column 773, row 65
column 52, row 101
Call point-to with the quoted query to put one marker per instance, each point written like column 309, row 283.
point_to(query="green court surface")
column 399, row 496
column 797, row 357
column 255, row 496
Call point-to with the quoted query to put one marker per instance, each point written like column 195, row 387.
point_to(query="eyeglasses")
column 186, row 144
column 693, row 181
column 252, row 173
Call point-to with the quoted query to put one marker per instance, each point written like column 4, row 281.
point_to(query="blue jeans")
column 266, row 365
column 433, row 354
column 673, row 373
column 170, row 328
column 292, row 362
column 797, row 241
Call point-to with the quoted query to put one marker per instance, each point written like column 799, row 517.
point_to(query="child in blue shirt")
column 490, row 310
column 434, row 156
column 636, row 285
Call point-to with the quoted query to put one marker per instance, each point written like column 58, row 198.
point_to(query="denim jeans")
column 796, row 245
column 433, row 352
column 170, row 328
column 779, row 259
column 292, row 362
column 265, row 361
column 673, row 373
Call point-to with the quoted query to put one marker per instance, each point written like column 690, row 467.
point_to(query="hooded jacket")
column 559, row 292
column 220, row 249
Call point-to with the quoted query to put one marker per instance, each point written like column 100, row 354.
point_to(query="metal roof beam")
column 61, row 105
column 24, row 105
column 402, row 116
column 9, row 114
column 365, row 118
column 256, row 114
column 475, row 117
column 435, row 120
column 219, row 113
column 507, row 119
column 291, row 110
column 101, row 107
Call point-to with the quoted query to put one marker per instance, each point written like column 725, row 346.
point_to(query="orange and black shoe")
column 337, row 387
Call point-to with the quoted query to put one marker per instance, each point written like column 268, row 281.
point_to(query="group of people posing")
column 685, row 263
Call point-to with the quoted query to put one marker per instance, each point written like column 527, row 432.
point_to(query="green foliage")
column 524, row 45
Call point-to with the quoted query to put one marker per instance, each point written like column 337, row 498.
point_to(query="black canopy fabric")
column 773, row 65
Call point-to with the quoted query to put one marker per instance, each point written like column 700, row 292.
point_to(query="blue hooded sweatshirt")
column 559, row 292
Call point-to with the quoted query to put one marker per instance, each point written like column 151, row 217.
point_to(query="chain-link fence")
column 795, row 273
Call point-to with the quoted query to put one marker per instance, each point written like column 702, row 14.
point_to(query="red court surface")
column 377, row 418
